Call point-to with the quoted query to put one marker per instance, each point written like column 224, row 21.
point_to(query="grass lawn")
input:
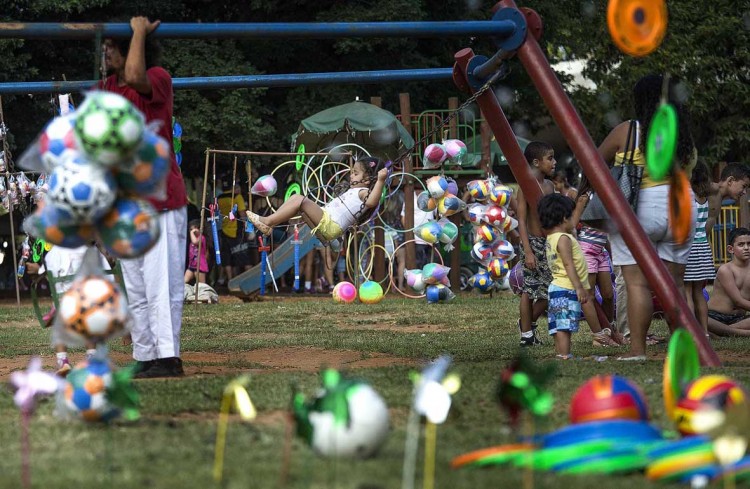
column 172, row 446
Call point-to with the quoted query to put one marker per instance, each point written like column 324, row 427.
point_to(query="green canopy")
column 369, row 126
column 474, row 146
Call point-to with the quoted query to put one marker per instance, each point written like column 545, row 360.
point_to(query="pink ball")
column 434, row 156
column 344, row 292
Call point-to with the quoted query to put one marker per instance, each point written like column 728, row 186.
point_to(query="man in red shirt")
column 154, row 282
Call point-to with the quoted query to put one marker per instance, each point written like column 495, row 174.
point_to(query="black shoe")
column 533, row 340
column 142, row 367
column 163, row 367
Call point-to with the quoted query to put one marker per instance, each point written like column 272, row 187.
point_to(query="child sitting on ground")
column 328, row 223
column 570, row 286
column 730, row 300
column 197, row 268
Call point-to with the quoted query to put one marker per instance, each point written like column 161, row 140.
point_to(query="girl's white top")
column 345, row 209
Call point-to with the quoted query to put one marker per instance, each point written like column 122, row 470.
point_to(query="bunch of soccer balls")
column 491, row 221
column 101, row 161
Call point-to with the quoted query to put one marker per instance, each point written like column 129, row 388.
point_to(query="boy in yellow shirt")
column 570, row 286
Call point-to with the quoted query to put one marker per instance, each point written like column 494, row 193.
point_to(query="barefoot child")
column 570, row 286
column 328, row 223
column 730, row 301
column 536, row 274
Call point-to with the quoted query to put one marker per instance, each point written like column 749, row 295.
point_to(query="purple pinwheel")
column 30, row 384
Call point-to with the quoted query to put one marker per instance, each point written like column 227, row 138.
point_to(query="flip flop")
column 634, row 358
column 259, row 225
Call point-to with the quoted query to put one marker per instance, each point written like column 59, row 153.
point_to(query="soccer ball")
column 93, row 309
column 57, row 141
column 495, row 216
column 500, row 194
column 608, row 397
column 498, row 268
column 478, row 189
column 47, row 223
column 85, row 391
column 482, row 282
column 503, row 249
column 707, row 392
column 130, row 229
column 144, row 174
column 82, row 190
column 108, row 127
column 348, row 418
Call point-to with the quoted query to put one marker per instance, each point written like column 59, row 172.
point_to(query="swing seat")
column 53, row 281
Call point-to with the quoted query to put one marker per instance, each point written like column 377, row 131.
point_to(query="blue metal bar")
column 248, row 81
column 48, row 30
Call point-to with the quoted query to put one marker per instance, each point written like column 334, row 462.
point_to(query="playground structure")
column 517, row 32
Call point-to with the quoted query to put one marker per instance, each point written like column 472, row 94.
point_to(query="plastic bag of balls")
column 101, row 162
column 93, row 309
column 93, row 391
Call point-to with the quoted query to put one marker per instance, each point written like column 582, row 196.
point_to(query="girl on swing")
column 366, row 180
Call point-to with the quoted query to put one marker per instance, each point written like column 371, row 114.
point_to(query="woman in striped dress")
column 700, row 266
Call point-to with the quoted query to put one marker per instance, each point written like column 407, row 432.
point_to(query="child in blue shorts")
column 570, row 286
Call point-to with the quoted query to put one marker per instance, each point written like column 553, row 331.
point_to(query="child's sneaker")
column 604, row 338
column 63, row 368
column 529, row 340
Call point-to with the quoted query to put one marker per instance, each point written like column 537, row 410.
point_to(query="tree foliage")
column 707, row 47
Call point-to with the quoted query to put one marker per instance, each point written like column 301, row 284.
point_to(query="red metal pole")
column 504, row 134
column 593, row 165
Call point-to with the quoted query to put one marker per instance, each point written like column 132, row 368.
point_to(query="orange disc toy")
column 637, row 26
column 680, row 206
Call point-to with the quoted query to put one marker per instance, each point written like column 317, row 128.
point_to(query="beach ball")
column 415, row 280
column 434, row 156
column 265, row 186
column 57, row 141
column 515, row 278
column 429, row 232
column 437, row 186
column 130, row 229
column 370, row 292
column 707, row 392
column 457, row 152
column 344, row 292
column 500, row 194
column 487, row 233
column 434, row 273
column 85, row 391
column 83, row 190
column 482, row 282
column 439, row 293
column 449, row 205
column 108, row 127
column 146, row 172
column 93, row 309
column 425, row 202
column 498, row 268
column 478, row 189
column 476, row 213
column 608, row 397
column 47, row 223
column 347, row 418
column 495, row 216
column 503, row 249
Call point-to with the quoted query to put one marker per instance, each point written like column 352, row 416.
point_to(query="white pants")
column 155, row 287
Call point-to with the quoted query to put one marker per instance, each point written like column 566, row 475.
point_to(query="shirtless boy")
column 730, row 301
